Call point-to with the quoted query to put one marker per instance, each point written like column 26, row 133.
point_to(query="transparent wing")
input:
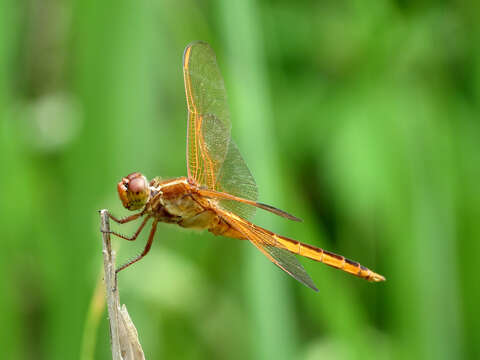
column 235, row 178
column 281, row 257
column 209, row 126
column 264, row 240
column 213, row 160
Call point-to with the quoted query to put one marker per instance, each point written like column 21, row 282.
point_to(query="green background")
column 361, row 117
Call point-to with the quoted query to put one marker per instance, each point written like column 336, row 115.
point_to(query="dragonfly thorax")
column 134, row 191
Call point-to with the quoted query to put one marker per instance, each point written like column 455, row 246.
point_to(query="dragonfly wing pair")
column 213, row 159
column 214, row 162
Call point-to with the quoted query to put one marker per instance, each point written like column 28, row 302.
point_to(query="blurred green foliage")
column 362, row 117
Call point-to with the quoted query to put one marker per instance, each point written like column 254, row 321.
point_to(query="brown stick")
column 123, row 334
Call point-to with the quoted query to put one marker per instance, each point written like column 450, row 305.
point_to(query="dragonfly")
column 219, row 193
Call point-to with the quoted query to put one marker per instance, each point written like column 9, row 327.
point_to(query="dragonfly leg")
column 125, row 220
column 144, row 252
column 135, row 235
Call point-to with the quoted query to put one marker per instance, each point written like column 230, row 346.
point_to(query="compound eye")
column 137, row 185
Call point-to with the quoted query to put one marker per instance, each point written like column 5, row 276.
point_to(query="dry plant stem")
column 123, row 334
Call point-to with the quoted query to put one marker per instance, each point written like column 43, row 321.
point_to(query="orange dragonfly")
column 219, row 194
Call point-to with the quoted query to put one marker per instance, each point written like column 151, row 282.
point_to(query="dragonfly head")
column 133, row 191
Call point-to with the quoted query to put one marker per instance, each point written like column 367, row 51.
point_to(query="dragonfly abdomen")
column 328, row 258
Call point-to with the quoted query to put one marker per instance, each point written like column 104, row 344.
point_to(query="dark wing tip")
column 294, row 218
column 278, row 212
